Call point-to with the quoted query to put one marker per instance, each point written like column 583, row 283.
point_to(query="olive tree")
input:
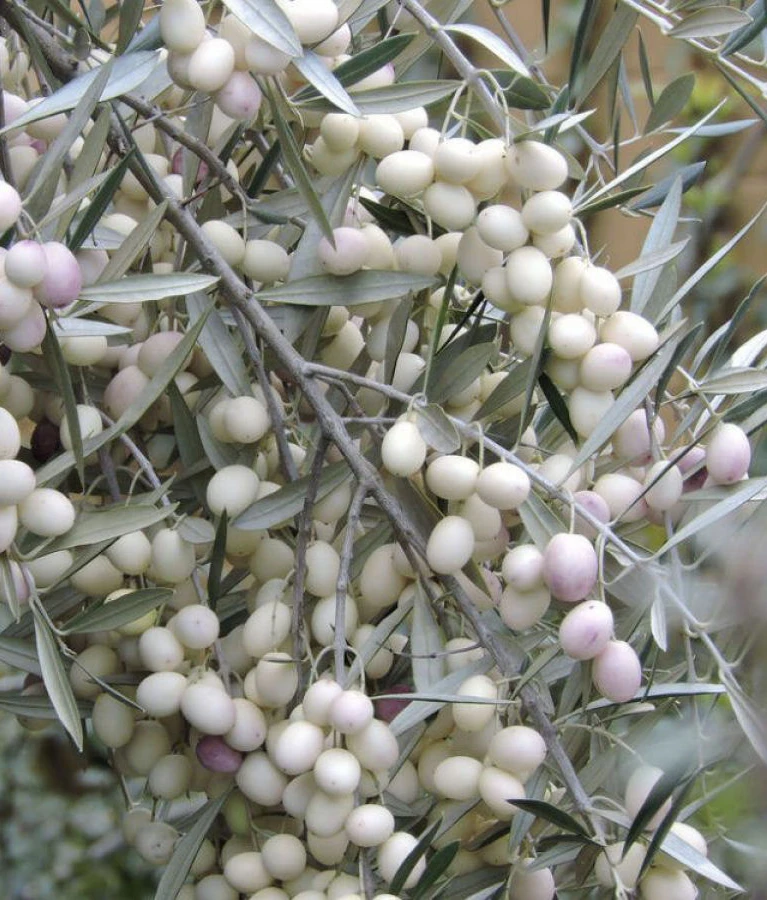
column 372, row 525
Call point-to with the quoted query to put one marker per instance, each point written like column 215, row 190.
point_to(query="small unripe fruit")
column 266, row 628
column 570, row 566
column 474, row 716
column 25, row 264
column 160, row 693
column 173, row 559
column 497, row 788
column 728, row 454
column 660, row 883
column 518, row 750
column 452, row 477
column 664, row 485
column 625, row 867
column 265, row 261
column 246, row 872
column 450, row 545
column 617, row 672
column 571, row 335
column 347, row 256
column 260, row 780
column 522, row 567
column 501, row 227
column 605, row 367
column 47, row 512
column 182, row 25
column 380, row 136
column 312, row 20
column 350, row 712
column 232, row 490
column 160, row 650
column 283, row 856
column 208, row 708
column 586, row 629
column 196, row 626
column 600, row 291
column 547, row 212
column 405, row 173
column 391, row 855
column 457, row 777
column 455, row 161
column 63, row 281
column 17, row 481
column 536, row 166
column 369, row 825
column 155, row 842
column 531, row 884
column 528, row 276
column 337, row 771
column 375, row 746
column 263, row 59
column 240, row 97
column 10, row 203
column 211, row 65
column 227, row 240
column 635, row 334
column 503, row 485
column 520, row 610
column 403, row 450
column 450, row 205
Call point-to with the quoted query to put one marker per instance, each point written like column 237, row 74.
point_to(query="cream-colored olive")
column 450, row 545
column 536, row 166
column 529, row 276
column 391, row 855
column 452, row 477
column 182, row 25
column 450, row 205
column 457, row 777
column 635, row 334
column 405, row 173
column 369, row 825
column 47, row 512
column 17, row 481
column 403, row 450
column 283, row 856
column 625, row 867
column 617, row 672
column 475, row 715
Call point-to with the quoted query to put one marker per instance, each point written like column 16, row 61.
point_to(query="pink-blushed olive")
column 586, row 629
column 605, row 367
column 240, row 97
column 10, row 201
column 570, row 566
column 347, row 256
column 28, row 333
column 597, row 506
column 215, row 754
column 617, row 672
column 728, row 454
column 63, row 280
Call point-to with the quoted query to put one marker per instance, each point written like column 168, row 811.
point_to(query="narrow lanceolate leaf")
column 696, row 862
column 739, row 495
column 628, row 400
column 671, row 102
column 289, row 500
column 187, row 848
column 426, row 643
column 30, row 705
column 737, row 381
column 707, row 266
column 56, row 680
column 743, row 36
column 660, row 792
column 609, row 47
column 408, row 864
column 104, row 616
column 436, row 867
column 266, row 19
column 128, row 72
column 552, row 814
column 492, row 42
column 658, row 238
column 647, row 262
column 136, row 242
column 20, row 654
column 61, row 375
column 449, row 380
column 92, row 214
column 109, row 524
column 648, row 160
column 131, row 12
column 512, row 386
column 749, row 716
column 78, row 326
column 710, row 22
column 369, row 60
column 148, row 288
column 396, row 98
column 42, row 183
column 436, row 429
column 219, row 347
column 367, row 286
column 325, row 82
